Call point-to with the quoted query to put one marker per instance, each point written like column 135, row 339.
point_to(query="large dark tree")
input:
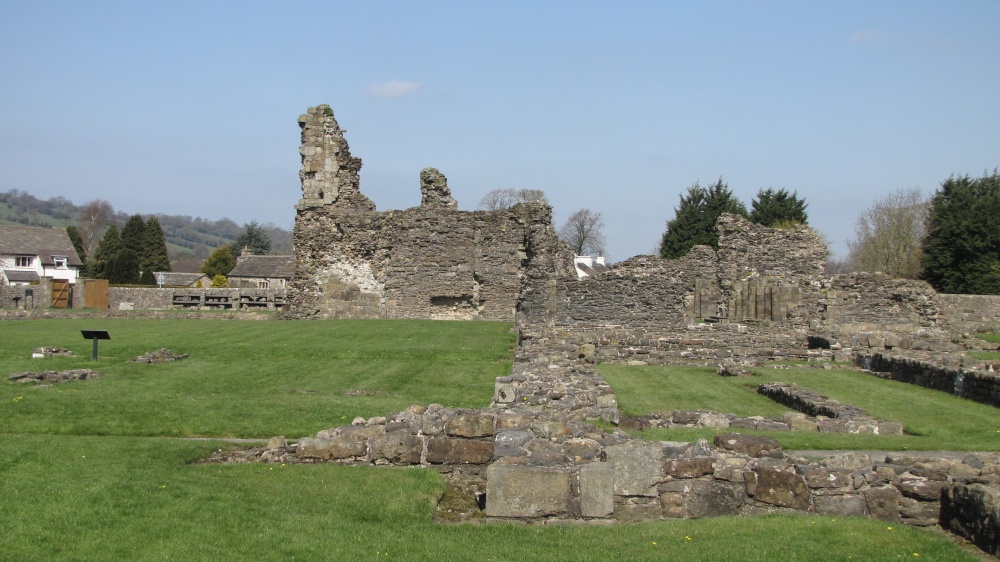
column 154, row 248
column 77, row 240
column 133, row 234
column 123, row 267
column 778, row 208
column 962, row 244
column 254, row 239
column 109, row 245
column 694, row 219
column 221, row 262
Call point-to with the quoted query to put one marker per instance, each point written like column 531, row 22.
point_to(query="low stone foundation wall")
column 973, row 511
column 978, row 385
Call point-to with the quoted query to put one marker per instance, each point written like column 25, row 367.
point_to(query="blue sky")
column 191, row 107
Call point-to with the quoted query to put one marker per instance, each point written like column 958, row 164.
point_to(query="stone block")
column 597, row 489
column 637, row 466
column 780, row 488
column 526, row 491
column 755, row 446
column 514, row 420
column 916, row 512
column 458, row 451
column 629, row 512
column 689, row 468
column 710, row 498
column 511, row 443
column 923, row 490
column 845, row 505
column 397, row 447
column 333, row 448
column 848, row 461
column 672, row 505
column 504, row 393
column 883, row 503
column 581, row 449
column 973, row 511
column 470, row 425
column 821, row 478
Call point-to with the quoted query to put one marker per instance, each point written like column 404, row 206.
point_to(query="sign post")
column 95, row 335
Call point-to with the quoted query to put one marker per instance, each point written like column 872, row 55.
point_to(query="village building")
column 262, row 272
column 29, row 253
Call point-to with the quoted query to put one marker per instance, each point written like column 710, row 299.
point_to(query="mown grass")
column 933, row 420
column 127, row 498
column 989, row 336
column 246, row 378
column 85, row 473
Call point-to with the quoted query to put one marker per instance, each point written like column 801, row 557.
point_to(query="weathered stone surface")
column 55, row 376
column 883, row 503
column 511, row 443
column 924, row 490
column 710, row 498
column 470, row 425
column 689, row 468
column 750, row 445
column 597, row 489
column 525, row 491
column 820, row 478
column 458, row 451
column 846, row 505
column 629, row 512
column 637, row 467
column 973, row 511
column 780, row 488
column 332, row 448
column 397, row 447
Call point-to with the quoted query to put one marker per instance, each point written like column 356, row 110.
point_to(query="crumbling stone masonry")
column 431, row 261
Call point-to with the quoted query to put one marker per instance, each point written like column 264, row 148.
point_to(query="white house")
column 28, row 253
column 589, row 265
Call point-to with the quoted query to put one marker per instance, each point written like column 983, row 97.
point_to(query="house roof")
column 179, row 278
column 21, row 275
column 274, row 267
column 46, row 243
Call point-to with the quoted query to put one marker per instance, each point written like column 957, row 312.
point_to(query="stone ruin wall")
column 431, row 261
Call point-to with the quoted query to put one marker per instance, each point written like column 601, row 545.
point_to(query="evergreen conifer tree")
column 961, row 247
column 154, row 248
column 778, row 208
column 133, row 233
column 695, row 217
column 110, row 244
column 221, row 262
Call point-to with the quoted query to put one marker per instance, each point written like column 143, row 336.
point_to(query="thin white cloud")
column 867, row 37
column 394, row 89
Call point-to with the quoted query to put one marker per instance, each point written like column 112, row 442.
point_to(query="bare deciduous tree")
column 92, row 221
column 582, row 231
column 506, row 198
column 889, row 233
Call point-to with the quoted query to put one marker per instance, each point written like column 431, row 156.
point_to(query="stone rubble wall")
column 978, row 382
column 155, row 298
column 978, row 313
column 431, row 261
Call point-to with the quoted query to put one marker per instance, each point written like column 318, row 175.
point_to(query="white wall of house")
column 34, row 263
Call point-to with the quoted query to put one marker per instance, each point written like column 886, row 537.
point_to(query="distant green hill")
column 186, row 236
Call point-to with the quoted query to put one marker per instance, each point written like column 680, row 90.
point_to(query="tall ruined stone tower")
column 431, row 261
column 329, row 173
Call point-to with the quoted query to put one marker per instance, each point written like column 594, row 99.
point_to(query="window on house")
column 23, row 261
column 60, row 262
column 262, row 284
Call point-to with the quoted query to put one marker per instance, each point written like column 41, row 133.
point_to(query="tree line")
column 951, row 239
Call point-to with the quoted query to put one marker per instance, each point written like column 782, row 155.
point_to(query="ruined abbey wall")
column 431, row 261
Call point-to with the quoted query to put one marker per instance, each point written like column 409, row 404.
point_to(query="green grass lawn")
column 933, row 420
column 246, row 378
column 92, row 470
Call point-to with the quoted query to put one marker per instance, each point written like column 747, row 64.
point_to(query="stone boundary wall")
column 154, row 298
column 977, row 312
column 977, row 385
column 540, row 470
